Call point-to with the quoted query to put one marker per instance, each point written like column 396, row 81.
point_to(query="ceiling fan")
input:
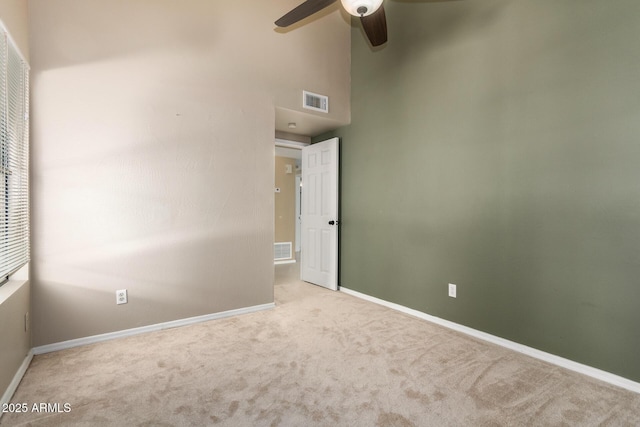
column 370, row 12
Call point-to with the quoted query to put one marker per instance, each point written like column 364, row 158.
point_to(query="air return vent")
column 281, row 251
column 313, row 101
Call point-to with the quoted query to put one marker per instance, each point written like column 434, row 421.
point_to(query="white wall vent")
column 282, row 251
column 313, row 101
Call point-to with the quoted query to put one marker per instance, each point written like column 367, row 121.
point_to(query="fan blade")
column 304, row 10
column 375, row 25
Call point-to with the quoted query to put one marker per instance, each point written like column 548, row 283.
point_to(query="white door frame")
column 298, row 213
column 295, row 145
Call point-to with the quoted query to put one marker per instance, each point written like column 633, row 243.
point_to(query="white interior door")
column 319, row 264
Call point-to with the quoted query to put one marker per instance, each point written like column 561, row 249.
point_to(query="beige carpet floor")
column 320, row 358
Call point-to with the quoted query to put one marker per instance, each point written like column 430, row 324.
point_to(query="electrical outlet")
column 121, row 296
column 452, row 290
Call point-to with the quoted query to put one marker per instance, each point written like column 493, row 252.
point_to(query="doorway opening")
column 288, row 199
column 317, row 222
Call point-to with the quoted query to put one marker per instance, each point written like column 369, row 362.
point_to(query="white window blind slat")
column 14, row 159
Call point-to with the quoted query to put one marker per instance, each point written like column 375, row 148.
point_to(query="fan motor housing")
column 361, row 8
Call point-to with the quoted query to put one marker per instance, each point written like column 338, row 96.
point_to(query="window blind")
column 14, row 159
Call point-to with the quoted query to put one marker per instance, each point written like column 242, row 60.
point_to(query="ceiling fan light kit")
column 370, row 12
column 361, row 8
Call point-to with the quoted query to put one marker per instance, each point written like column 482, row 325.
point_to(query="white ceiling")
column 307, row 124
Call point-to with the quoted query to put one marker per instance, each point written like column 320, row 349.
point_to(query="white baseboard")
column 144, row 329
column 13, row 386
column 520, row 348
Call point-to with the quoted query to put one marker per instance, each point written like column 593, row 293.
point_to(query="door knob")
column 332, row 222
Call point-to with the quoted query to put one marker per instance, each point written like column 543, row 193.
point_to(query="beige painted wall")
column 14, row 14
column 16, row 341
column 14, row 296
column 285, row 201
column 153, row 165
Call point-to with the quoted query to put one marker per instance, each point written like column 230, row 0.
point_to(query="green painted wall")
column 495, row 144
